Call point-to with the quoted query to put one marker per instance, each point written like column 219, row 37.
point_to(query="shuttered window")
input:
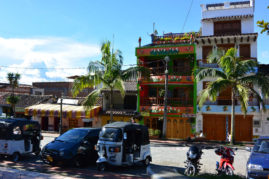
column 245, row 50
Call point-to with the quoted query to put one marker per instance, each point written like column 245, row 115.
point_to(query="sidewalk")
column 200, row 143
column 163, row 172
column 9, row 173
column 49, row 134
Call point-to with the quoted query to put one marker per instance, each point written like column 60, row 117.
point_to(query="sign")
column 145, row 113
column 87, row 120
column 165, row 51
column 186, row 111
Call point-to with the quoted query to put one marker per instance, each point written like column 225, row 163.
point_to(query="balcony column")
column 166, row 59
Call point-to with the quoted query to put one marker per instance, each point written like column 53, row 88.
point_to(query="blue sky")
column 68, row 33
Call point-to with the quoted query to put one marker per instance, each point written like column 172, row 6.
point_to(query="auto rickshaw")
column 123, row 144
column 18, row 137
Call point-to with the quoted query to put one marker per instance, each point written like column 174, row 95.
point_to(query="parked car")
column 258, row 162
column 19, row 136
column 75, row 146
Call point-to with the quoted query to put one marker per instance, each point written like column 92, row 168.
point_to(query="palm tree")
column 13, row 82
column 106, row 74
column 238, row 75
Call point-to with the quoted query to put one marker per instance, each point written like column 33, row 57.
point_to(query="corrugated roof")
column 68, row 110
column 130, row 86
column 26, row 99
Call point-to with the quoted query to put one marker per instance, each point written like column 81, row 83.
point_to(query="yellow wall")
column 105, row 119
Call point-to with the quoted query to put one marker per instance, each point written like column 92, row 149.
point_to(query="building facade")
column 226, row 25
column 124, row 107
column 182, row 87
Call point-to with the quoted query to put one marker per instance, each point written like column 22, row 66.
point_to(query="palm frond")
column 243, row 94
column 228, row 62
column 213, row 89
column 259, row 80
column 91, row 99
column 244, row 67
column 119, row 84
column 85, row 81
column 135, row 72
column 215, row 55
column 258, row 97
column 203, row 96
column 209, row 72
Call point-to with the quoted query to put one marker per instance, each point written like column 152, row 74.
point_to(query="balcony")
column 174, row 102
column 228, row 102
column 177, row 71
column 155, row 71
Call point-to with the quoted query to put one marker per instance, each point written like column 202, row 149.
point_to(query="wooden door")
column 178, row 128
column 44, row 123
column 243, row 128
column 56, row 123
column 214, row 127
column 73, row 123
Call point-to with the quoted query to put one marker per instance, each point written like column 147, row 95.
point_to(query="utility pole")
column 166, row 59
column 61, row 115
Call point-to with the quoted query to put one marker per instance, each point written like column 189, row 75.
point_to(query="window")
column 205, row 84
column 256, row 123
column 245, row 50
column 206, row 51
column 227, row 27
column 152, row 92
column 225, row 46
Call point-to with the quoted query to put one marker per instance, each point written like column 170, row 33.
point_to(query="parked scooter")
column 225, row 166
column 193, row 164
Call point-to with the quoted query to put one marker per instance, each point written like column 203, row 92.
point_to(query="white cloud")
column 265, row 55
column 24, row 55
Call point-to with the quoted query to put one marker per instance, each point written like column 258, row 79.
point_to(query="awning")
column 69, row 111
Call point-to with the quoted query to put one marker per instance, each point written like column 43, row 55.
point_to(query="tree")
column 13, row 82
column 238, row 75
column 263, row 25
column 105, row 74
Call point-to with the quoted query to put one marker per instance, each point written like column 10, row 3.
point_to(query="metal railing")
column 179, row 71
column 175, row 102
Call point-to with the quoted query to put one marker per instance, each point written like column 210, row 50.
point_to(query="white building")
column 226, row 25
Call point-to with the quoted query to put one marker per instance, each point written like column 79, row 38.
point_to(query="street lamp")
column 166, row 59
column 61, row 114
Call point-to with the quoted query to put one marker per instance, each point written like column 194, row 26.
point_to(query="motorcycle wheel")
column 229, row 171
column 101, row 166
column 190, row 170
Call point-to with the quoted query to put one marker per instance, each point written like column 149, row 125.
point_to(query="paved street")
column 166, row 157
column 35, row 164
column 174, row 155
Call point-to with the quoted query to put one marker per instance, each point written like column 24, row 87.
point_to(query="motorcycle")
column 225, row 166
column 192, row 163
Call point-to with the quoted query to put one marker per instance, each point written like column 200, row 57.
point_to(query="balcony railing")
column 181, row 71
column 177, row 71
column 174, row 102
column 228, row 102
column 156, row 71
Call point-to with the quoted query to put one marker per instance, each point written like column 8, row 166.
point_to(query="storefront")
column 73, row 116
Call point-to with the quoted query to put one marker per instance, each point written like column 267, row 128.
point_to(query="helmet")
column 193, row 152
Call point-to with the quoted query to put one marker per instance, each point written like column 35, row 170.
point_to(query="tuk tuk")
column 18, row 137
column 123, row 144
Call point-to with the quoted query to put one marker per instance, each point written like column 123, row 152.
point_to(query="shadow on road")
column 35, row 164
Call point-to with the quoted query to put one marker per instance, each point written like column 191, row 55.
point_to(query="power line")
column 187, row 16
column 55, row 68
